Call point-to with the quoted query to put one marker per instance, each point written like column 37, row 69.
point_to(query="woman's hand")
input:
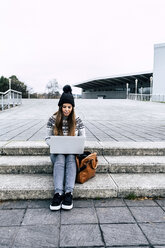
column 47, row 140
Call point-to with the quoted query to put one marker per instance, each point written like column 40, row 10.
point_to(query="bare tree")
column 52, row 89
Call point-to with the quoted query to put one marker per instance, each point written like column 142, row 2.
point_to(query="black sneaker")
column 67, row 202
column 56, row 202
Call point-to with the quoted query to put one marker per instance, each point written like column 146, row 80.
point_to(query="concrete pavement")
column 91, row 223
column 105, row 120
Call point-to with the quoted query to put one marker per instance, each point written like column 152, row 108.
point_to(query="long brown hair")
column 59, row 121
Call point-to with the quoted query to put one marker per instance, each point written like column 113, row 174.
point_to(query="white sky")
column 78, row 40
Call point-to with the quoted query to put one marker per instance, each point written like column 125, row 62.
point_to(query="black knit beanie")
column 66, row 96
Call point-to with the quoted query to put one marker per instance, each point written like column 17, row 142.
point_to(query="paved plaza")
column 91, row 223
column 112, row 222
column 105, row 120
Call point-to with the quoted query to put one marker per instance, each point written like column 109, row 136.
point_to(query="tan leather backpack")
column 86, row 166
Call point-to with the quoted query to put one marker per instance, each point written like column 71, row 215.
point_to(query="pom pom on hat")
column 67, row 89
column 66, row 96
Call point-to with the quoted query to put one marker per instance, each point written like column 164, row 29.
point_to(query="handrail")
column 9, row 91
column 10, row 98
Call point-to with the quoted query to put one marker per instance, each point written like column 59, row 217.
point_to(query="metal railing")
column 139, row 97
column 146, row 97
column 10, row 98
column 158, row 98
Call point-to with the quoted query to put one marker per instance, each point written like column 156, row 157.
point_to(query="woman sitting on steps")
column 64, row 122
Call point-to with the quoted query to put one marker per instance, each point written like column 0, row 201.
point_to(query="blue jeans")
column 64, row 172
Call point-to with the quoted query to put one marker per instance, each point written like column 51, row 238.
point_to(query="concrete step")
column 136, row 164
column 16, row 148
column 28, row 186
column 112, row 164
column 25, row 165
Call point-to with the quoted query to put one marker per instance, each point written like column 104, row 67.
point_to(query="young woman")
column 64, row 122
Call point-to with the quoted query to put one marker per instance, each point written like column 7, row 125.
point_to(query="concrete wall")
column 106, row 94
column 159, row 72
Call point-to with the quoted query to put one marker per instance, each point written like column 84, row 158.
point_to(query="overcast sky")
column 77, row 40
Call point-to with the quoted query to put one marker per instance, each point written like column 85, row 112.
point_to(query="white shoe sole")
column 55, row 207
column 67, row 207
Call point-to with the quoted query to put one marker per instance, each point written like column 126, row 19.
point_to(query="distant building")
column 159, row 73
column 116, row 87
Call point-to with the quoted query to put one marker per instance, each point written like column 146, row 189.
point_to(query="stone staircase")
column 124, row 169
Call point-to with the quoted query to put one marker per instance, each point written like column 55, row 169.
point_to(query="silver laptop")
column 67, row 144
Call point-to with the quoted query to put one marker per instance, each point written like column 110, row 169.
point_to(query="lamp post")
column 9, row 95
column 9, row 83
column 151, row 86
column 29, row 92
column 127, row 85
column 136, row 82
column 141, row 93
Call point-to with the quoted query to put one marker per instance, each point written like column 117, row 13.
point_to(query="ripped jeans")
column 64, row 172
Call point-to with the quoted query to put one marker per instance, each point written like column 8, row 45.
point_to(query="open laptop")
column 67, row 144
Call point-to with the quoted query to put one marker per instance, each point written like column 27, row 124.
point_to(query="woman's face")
column 67, row 109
